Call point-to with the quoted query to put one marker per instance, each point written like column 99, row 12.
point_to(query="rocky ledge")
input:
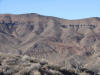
column 26, row 65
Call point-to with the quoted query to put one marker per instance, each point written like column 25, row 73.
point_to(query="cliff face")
column 71, row 43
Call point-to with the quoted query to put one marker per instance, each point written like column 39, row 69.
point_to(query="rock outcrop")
column 24, row 65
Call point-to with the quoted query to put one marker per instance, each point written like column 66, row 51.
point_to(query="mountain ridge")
column 48, row 16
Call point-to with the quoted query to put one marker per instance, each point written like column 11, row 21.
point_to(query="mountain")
column 69, row 43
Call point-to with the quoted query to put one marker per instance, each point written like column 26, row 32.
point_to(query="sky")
column 67, row 9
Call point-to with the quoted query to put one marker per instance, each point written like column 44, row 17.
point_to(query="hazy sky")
column 68, row 9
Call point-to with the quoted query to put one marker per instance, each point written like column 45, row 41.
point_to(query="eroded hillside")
column 70, row 43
